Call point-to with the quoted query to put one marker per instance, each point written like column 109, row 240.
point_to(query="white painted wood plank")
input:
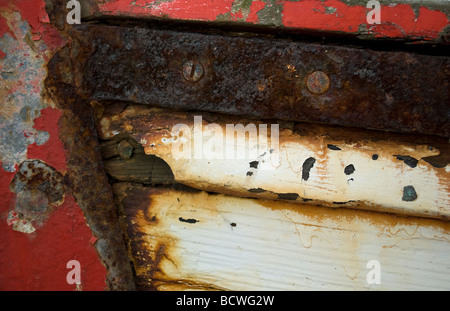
column 199, row 241
column 345, row 169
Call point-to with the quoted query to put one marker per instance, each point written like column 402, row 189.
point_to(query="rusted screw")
column 318, row 82
column 125, row 149
column 192, row 71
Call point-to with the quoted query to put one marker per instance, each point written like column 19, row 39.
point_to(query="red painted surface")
column 254, row 9
column 51, row 152
column 397, row 21
column 4, row 28
column 400, row 21
column 176, row 9
column 38, row 261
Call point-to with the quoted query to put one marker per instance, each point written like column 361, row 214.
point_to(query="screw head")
column 192, row 71
column 318, row 82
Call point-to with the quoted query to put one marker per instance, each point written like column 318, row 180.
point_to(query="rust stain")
column 39, row 188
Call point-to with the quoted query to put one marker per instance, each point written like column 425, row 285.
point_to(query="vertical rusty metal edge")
column 86, row 176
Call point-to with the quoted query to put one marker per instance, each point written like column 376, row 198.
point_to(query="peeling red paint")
column 397, row 21
column 313, row 14
column 254, row 9
column 177, row 9
column 37, row 261
column 51, row 152
column 33, row 11
column 237, row 15
column 401, row 21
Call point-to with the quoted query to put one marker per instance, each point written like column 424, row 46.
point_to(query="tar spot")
column 233, row 224
column 256, row 190
column 409, row 194
column 287, row 196
column 333, row 147
column 189, row 220
column 349, row 169
column 306, row 167
column 410, row 161
column 254, row 164
column 249, row 173
column 375, row 157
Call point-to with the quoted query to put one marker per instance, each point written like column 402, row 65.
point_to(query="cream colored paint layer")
column 374, row 184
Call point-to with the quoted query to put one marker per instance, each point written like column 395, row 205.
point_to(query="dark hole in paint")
column 189, row 220
column 306, row 167
column 349, row 169
column 410, row 161
column 287, row 196
column 256, row 190
column 233, row 224
column 254, row 164
column 436, row 161
column 249, row 173
column 409, row 194
column 375, row 157
column 333, row 147
column 340, row 203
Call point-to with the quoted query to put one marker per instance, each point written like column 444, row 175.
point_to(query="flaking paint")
column 411, row 21
column 29, row 129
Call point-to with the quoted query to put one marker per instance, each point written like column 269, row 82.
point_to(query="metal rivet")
column 318, row 82
column 192, row 71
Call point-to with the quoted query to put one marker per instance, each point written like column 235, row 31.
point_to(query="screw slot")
column 192, row 71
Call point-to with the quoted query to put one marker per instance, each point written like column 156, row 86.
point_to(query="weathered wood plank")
column 110, row 149
column 141, row 168
column 330, row 166
column 182, row 240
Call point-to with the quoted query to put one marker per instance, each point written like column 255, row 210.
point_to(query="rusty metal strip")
column 268, row 78
column 85, row 178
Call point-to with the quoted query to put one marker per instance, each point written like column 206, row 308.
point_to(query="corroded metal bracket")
column 269, row 78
